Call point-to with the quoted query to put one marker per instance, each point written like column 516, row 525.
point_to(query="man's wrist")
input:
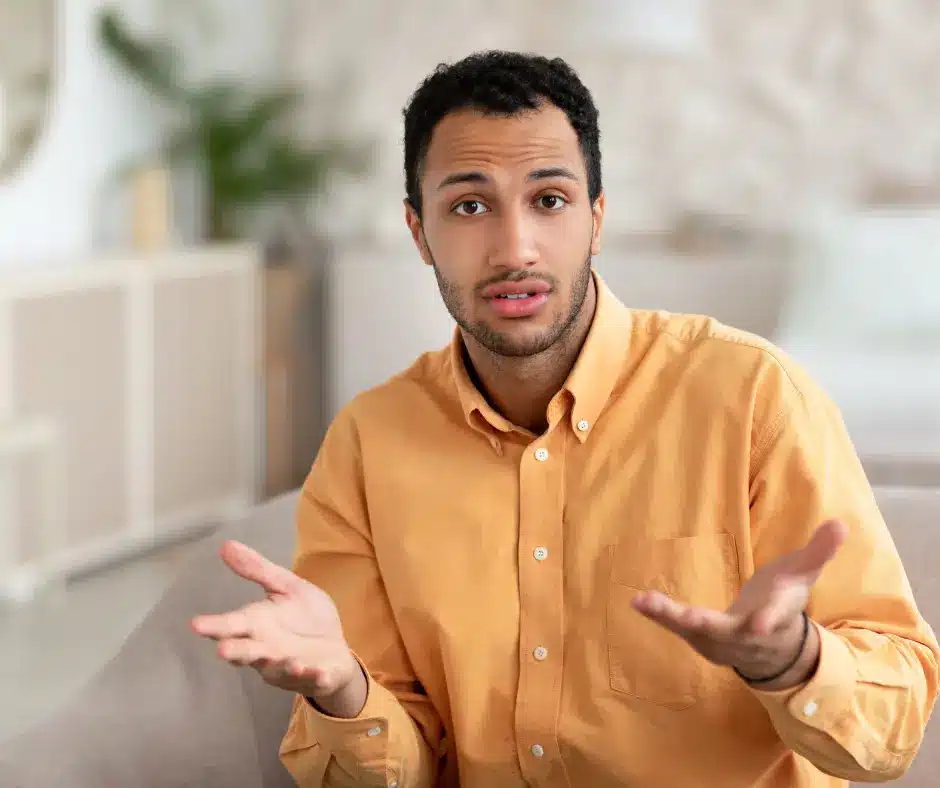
column 346, row 702
column 797, row 671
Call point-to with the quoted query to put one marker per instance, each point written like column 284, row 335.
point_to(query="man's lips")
column 514, row 290
column 518, row 305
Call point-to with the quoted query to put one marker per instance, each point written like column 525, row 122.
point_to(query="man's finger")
column 685, row 620
column 245, row 651
column 819, row 551
column 236, row 624
column 251, row 565
column 289, row 674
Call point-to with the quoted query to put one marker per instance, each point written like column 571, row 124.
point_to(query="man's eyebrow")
column 551, row 172
column 541, row 174
column 463, row 177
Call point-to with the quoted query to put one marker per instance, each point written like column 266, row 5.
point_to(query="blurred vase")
column 152, row 208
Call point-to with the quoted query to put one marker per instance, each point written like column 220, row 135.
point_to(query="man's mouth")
column 518, row 304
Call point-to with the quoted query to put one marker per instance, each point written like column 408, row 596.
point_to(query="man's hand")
column 293, row 637
column 762, row 632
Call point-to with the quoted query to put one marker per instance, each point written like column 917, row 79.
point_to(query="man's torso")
column 510, row 561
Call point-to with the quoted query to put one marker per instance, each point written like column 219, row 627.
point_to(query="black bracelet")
column 789, row 667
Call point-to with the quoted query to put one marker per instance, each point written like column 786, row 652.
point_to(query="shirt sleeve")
column 396, row 739
column 862, row 714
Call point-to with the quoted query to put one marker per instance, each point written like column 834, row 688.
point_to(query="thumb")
column 822, row 547
column 251, row 565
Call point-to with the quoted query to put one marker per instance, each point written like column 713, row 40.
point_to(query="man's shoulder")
column 695, row 333
column 718, row 357
column 426, row 382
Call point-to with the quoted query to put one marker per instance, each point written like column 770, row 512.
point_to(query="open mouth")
column 514, row 305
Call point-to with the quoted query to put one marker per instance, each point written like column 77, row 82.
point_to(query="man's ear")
column 598, row 215
column 415, row 227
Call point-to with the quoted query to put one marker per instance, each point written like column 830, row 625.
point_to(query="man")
column 582, row 546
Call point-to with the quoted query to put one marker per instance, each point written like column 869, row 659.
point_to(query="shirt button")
column 583, row 425
column 541, row 454
column 540, row 653
column 537, row 750
column 541, row 553
column 810, row 709
column 374, row 731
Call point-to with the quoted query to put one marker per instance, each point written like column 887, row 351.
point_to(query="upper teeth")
column 515, row 295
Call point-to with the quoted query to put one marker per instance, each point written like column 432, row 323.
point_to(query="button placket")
column 541, row 589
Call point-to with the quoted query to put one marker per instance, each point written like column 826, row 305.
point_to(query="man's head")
column 504, row 196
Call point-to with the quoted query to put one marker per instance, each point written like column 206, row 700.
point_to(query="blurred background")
column 203, row 257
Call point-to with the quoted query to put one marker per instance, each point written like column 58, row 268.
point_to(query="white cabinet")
column 143, row 378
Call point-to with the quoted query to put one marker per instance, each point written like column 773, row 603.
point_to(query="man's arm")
column 395, row 736
column 861, row 715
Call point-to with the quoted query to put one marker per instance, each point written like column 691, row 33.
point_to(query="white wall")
column 97, row 121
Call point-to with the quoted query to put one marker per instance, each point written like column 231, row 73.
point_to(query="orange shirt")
column 484, row 576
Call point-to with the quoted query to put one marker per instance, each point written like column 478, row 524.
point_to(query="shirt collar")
column 597, row 368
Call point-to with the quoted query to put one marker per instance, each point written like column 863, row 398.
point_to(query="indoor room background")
column 180, row 319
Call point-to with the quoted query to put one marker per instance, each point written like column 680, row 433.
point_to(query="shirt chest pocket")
column 647, row 661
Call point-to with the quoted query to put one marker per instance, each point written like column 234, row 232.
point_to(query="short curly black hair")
column 500, row 83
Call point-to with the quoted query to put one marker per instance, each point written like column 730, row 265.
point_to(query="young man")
column 582, row 546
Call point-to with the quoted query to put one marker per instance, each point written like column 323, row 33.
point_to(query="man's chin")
column 515, row 342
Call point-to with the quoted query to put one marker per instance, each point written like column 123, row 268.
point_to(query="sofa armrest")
column 166, row 712
column 913, row 517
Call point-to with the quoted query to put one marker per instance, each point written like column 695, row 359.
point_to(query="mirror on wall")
column 27, row 55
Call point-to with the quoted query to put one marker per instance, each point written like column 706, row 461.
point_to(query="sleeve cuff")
column 822, row 700
column 366, row 734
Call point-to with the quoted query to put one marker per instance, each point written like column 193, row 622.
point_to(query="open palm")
column 293, row 636
column 765, row 614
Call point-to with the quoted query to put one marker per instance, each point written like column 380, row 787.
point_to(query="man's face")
column 508, row 226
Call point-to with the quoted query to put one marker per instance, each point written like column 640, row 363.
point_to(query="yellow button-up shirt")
column 484, row 576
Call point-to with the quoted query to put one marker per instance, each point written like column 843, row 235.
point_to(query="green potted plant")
column 231, row 132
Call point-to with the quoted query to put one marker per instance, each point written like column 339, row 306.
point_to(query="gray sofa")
column 166, row 713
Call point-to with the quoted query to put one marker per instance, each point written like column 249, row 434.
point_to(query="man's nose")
column 512, row 244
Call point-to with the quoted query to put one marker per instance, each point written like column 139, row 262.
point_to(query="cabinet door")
column 202, row 381
column 69, row 358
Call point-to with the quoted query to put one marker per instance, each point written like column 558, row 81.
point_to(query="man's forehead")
column 470, row 137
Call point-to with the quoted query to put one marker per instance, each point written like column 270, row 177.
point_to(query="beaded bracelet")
column 789, row 667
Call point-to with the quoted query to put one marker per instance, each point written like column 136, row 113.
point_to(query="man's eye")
column 470, row 208
column 552, row 202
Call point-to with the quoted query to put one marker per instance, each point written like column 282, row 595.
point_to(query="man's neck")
column 520, row 388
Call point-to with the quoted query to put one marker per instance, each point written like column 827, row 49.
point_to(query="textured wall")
column 786, row 102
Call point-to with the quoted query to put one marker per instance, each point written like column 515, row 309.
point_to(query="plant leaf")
column 152, row 64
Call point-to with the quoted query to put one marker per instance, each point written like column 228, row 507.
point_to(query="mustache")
column 516, row 276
